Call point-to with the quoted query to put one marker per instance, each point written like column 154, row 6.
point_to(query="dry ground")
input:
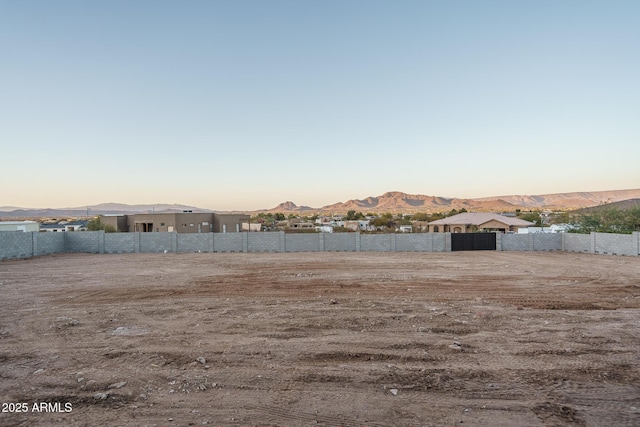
column 375, row 339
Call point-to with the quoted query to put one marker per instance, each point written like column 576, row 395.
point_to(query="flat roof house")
column 469, row 222
column 25, row 226
column 66, row 226
column 184, row 222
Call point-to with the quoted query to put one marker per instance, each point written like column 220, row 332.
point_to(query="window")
column 162, row 224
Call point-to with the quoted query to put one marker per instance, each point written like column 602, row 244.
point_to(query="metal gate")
column 473, row 241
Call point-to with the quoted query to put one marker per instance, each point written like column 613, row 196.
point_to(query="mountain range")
column 393, row 201
column 396, row 201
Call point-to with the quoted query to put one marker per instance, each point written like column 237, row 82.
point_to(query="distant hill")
column 99, row 209
column 621, row 205
column 396, row 201
column 569, row 200
column 290, row 207
column 42, row 213
column 160, row 207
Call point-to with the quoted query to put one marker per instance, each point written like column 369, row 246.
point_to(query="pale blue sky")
column 245, row 104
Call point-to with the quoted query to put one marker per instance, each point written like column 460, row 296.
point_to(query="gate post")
column 498, row 241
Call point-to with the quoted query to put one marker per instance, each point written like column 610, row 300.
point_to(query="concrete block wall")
column 120, row 243
column 265, row 242
column 499, row 242
column 441, row 242
column 341, row 242
column 22, row 245
column 615, row 244
column 447, row 242
column 15, row 244
column 193, row 242
column 84, row 241
column 48, row 243
column 574, row 242
column 155, row 242
column 377, row 242
column 531, row 242
column 418, row 242
column 302, row 242
column 546, row 241
column 228, row 242
column 515, row 242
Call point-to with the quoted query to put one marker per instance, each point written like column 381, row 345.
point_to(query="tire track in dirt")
column 276, row 415
column 610, row 405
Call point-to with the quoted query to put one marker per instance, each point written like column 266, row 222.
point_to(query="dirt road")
column 353, row 339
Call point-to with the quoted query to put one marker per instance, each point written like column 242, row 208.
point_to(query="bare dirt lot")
column 375, row 339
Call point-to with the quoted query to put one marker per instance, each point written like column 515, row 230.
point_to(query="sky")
column 242, row 104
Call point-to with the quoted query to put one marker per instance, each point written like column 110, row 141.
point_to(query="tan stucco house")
column 469, row 222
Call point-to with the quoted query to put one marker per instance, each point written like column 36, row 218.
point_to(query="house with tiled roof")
column 470, row 222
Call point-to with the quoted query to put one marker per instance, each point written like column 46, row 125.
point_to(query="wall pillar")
column 593, row 243
column 136, row 242
column 321, row 237
column 101, row 242
column 636, row 240
column 283, row 242
column 245, row 241
column 34, row 243
column 393, row 242
column 210, row 242
column 498, row 241
column 447, row 242
column 357, row 241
